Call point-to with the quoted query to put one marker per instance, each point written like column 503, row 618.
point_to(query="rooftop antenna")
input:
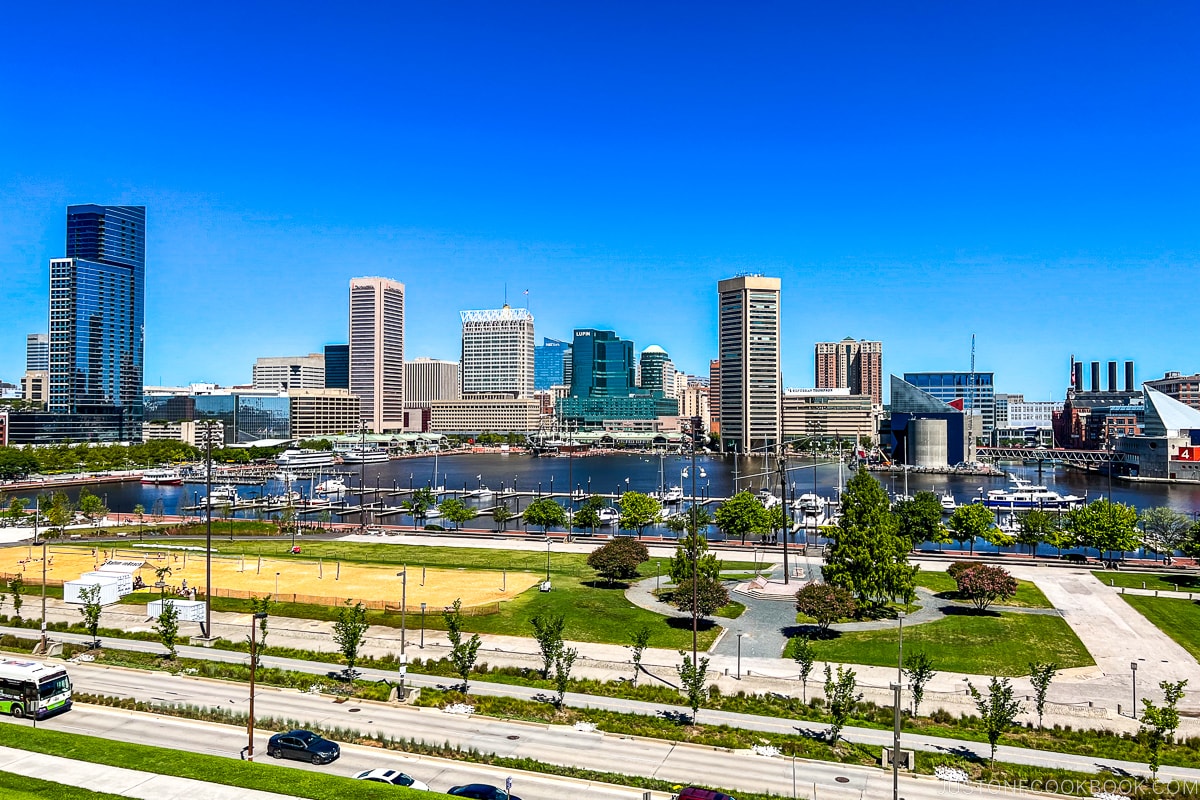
column 506, row 293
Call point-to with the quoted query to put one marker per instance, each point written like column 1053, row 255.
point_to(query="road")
column 675, row 763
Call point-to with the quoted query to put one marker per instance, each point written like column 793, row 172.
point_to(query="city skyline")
column 912, row 178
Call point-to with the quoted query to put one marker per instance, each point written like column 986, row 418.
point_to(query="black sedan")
column 303, row 746
column 481, row 791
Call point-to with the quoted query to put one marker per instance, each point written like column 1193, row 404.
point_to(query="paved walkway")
column 120, row 781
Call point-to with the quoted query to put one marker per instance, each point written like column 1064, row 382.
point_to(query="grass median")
column 1170, row 582
column 1177, row 618
column 20, row 787
column 1028, row 595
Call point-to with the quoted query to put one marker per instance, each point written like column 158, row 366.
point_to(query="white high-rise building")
column 748, row 351
column 497, row 352
column 377, row 351
column 427, row 379
column 290, row 372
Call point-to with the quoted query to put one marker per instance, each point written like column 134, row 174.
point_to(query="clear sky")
column 914, row 173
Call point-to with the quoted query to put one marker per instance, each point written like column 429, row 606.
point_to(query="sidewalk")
column 120, row 781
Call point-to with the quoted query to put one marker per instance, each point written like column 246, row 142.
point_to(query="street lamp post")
column 253, row 669
column 277, row 584
column 208, row 530
column 547, row 558
column 900, row 649
column 739, row 656
column 422, row 626
column 37, row 512
column 404, row 626
column 1133, row 669
column 896, row 743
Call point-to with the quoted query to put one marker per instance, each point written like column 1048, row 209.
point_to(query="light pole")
column 547, row 558
column 253, row 669
column 900, row 650
column 277, row 584
column 422, row 626
column 37, row 512
column 1133, row 669
column 739, row 656
column 896, row 744
column 208, row 530
column 404, row 626
column 362, row 484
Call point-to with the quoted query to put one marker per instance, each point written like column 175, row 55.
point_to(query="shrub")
column 825, row 603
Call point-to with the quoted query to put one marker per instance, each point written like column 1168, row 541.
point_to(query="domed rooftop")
column 654, row 349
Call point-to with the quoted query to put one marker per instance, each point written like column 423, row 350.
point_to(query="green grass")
column 1177, row 618
column 1186, row 582
column 1027, row 596
column 731, row 611
column 213, row 769
column 19, row 787
column 987, row 644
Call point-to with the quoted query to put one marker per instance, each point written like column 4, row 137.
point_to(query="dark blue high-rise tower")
column 97, row 321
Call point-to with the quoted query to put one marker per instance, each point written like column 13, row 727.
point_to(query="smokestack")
column 1077, row 384
column 1095, row 376
column 1112, row 376
column 1129, row 376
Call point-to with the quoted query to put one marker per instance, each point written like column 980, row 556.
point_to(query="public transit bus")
column 33, row 688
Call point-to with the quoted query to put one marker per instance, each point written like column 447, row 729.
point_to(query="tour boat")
column 163, row 476
column 1024, row 494
column 364, row 455
column 297, row 458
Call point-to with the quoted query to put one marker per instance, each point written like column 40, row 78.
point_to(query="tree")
column 824, row 603
column 588, row 515
column 740, row 515
column 546, row 513
column 457, row 512
column 920, row 519
column 703, row 598
column 640, row 639
column 637, row 511
column 1040, row 676
column 693, row 548
column 983, row 585
column 1165, row 530
column 997, row 711
column 348, row 631
column 17, row 586
column 90, row 610
column 618, row 559
column 918, row 668
column 501, row 514
column 1036, row 526
column 167, row 628
column 287, row 519
column 805, row 656
column 548, row 632
column 156, row 510
column 970, row 522
column 260, row 605
column 564, row 660
column 1159, row 723
column 693, row 677
column 16, row 510
column 866, row 556
column 59, row 511
column 1105, row 526
column 840, row 699
column 462, row 654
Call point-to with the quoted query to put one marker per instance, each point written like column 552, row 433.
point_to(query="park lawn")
column 1028, row 595
column 1177, row 618
column 1186, row 582
column 976, row 644
column 19, row 787
column 213, row 769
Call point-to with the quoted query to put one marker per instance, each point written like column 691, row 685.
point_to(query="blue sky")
column 914, row 174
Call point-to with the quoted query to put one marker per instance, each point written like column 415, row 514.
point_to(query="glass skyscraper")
column 97, row 319
column 548, row 362
column 337, row 366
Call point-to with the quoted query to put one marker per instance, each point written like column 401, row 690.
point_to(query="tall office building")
column 37, row 352
column 602, row 364
column 290, row 372
column 657, row 371
column 857, row 366
column 97, row 322
column 548, row 363
column 337, row 366
column 748, row 349
column 377, row 351
column 714, row 396
column 497, row 352
column 427, row 379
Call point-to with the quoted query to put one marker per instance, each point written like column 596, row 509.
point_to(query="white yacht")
column 163, row 476
column 673, row 495
column 768, row 500
column 364, row 455
column 1024, row 494
column 223, row 494
column 481, row 493
column 948, row 504
column 296, row 458
column 334, row 487
column 609, row 515
column 809, row 504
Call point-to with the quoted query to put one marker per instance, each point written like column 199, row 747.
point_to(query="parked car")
column 696, row 793
column 303, row 746
column 482, row 791
column 392, row 776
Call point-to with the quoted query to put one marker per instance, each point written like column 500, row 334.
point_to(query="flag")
column 627, row 481
column 478, row 477
column 525, row 292
column 685, row 472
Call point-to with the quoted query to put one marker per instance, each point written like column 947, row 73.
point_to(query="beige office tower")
column 853, row 365
column 497, row 352
column 748, row 351
column 377, row 351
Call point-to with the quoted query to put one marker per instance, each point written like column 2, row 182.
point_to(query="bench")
column 759, row 583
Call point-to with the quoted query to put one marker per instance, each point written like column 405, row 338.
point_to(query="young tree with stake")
column 462, row 653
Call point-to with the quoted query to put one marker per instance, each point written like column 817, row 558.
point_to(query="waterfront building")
column 497, row 352
column 337, row 366
column 714, row 397
column 657, row 371
column 974, row 390
column 35, row 387
column 1177, row 386
column 37, row 352
column 318, row 413
column 828, row 414
column 427, row 379
column 245, row 415
column 189, row 431
column 1082, row 423
column 290, row 372
column 485, row 413
column 604, row 385
column 1169, row 447
column 97, row 324
column 853, row 365
column 377, row 351
column 748, row 350
column 694, row 406
column 928, row 432
column 548, row 363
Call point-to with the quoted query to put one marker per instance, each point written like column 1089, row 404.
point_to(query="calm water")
column 610, row 474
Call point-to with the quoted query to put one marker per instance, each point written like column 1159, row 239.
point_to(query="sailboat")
column 438, row 488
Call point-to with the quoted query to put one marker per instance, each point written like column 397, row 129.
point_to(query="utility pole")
column 37, row 512
column 208, row 429
column 783, row 499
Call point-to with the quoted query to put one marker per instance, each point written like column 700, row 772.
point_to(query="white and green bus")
column 33, row 688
